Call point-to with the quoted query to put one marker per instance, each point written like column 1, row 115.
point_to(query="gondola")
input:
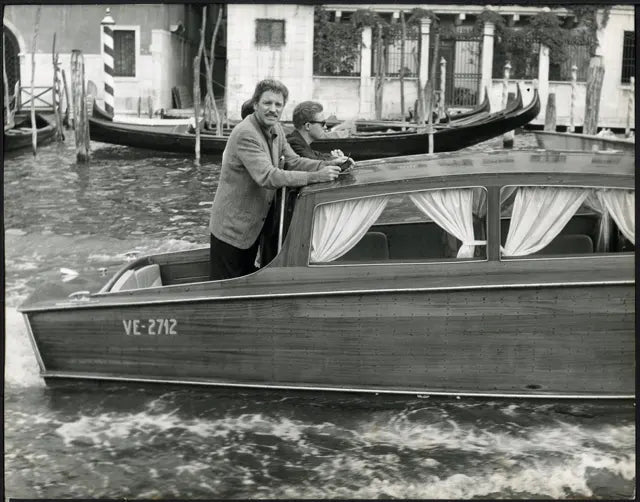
column 394, row 125
column 445, row 138
column 178, row 138
column 582, row 142
column 20, row 135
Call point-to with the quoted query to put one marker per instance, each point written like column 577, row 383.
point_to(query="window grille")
column 270, row 32
column 628, row 56
column 124, row 53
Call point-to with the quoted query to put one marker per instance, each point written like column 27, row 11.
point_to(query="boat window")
column 561, row 220
column 444, row 224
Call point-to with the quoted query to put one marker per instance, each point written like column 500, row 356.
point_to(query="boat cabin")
column 440, row 211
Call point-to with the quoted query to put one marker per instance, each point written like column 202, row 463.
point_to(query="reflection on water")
column 84, row 439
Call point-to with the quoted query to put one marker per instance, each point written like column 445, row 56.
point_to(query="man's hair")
column 305, row 112
column 270, row 85
column 247, row 109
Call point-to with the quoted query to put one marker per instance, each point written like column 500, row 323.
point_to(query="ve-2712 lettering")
column 153, row 327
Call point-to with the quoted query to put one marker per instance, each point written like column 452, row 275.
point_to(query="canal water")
column 152, row 441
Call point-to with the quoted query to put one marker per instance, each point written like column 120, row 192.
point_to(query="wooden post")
column 403, row 36
column 572, row 108
column 443, row 77
column 66, row 120
column 211, row 108
column 57, row 92
column 150, row 106
column 631, row 106
column 595, row 77
column 8, row 120
column 80, row 119
column 139, row 105
column 379, row 71
column 550, row 114
column 34, row 127
column 430, row 91
column 196, row 83
column 107, row 61
column 507, row 137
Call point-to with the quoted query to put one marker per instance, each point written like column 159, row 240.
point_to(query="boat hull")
column 21, row 136
column 581, row 142
column 156, row 137
column 500, row 341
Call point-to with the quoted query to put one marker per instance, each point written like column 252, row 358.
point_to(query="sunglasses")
column 323, row 123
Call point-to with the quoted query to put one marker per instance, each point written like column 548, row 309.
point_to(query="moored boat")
column 582, row 142
column 171, row 138
column 20, row 135
column 482, row 274
column 445, row 138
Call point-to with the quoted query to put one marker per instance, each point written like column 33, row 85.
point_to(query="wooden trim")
column 131, row 301
column 418, row 392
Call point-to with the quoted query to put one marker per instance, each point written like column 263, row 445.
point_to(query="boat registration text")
column 138, row 327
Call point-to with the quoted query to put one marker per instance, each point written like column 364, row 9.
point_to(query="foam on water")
column 21, row 367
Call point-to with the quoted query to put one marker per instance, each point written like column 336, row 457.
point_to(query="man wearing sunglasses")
column 310, row 125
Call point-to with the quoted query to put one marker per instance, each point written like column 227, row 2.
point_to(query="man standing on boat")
column 255, row 163
column 310, row 125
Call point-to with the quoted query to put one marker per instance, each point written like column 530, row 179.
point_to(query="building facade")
column 154, row 47
column 278, row 41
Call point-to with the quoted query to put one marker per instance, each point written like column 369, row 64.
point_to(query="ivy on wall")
column 337, row 44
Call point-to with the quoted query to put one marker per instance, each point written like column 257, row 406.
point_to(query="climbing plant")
column 336, row 45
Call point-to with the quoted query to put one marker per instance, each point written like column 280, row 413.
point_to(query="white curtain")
column 339, row 226
column 539, row 214
column 451, row 209
column 620, row 205
column 595, row 202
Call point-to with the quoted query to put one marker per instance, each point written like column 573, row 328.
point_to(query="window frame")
column 632, row 46
column 536, row 257
column 396, row 262
column 136, row 30
column 270, row 43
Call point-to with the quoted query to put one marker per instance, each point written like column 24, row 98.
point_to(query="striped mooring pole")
column 107, row 58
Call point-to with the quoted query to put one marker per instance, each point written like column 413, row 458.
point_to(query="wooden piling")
column 572, row 109
column 507, row 137
column 595, row 77
column 631, row 106
column 550, row 113
column 8, row 120
column 66, row 121
column 211, row 108
column 443, row 77
column 80, row 119
column 150, row 106
column 139, row 105
column 34, row 127
column 196, row 83
column 56, row 92
column 403, row 36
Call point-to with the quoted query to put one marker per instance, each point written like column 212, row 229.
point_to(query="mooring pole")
column 34, row 127
column 507, row 137
column 80, row 119
column 107, row 59
column 572, row 109
column 631, row 105
column 550, row 114
column 443, row 74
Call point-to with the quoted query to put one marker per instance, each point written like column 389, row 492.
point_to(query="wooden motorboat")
column 445, row 139
column 582, row 142
column 171, row 138
column 372, row 291
column 19, row 136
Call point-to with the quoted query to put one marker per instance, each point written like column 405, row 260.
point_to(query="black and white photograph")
column 319, row 251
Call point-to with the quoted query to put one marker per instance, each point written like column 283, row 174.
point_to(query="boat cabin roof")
column 557, row 164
